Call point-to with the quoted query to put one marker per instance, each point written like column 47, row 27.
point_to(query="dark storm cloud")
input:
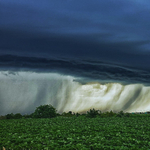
column 83, row 16
column 75, row 46
column 87, row 71
column 115, row 31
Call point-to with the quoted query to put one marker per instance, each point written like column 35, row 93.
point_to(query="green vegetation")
column 45, row 111
column 48, row 111
column 46, row 129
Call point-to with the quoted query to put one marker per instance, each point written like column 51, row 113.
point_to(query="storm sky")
column 108, row 30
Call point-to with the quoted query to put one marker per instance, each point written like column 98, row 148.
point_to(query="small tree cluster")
column 2, row 117
column 64, row 114
column 122, row 114
column 28, row 116
column 92, row 113
column 70, row 114
column 13, row 116
column 107, row 114
column 45, row 111
column 48, row 111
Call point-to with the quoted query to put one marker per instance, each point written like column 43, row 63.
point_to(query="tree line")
column 48, row 111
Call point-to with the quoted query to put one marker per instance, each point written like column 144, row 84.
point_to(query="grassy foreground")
column 76, row 133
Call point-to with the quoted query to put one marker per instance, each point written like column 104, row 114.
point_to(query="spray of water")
column 22, row 92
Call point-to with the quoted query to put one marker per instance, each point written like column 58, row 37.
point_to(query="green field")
column 80, row 133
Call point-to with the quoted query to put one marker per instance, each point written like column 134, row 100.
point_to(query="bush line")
column 48, row 111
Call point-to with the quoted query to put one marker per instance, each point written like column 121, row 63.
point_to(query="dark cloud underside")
column 114, row 31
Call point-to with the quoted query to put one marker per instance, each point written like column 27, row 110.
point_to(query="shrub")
column 58, row 114
column 92, row 113
column 77, row 114
column 63, row 114
column 44, row 111
column 10, row 116
column 108, row 114
column 84, row 115
column 26, row 116
column 148, row 112
column 127, row 114
column 2, row 117
column 31, row 115
column 111, row 114
column 120, row 114
column 69, row 114
column 17, row 116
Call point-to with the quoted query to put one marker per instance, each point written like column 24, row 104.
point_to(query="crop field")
column 76, row 133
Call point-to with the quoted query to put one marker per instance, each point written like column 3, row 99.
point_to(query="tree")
column 45, row 111
column 120, row 114
column 69, row 114
column 17, row 116
column 10, row 116
column 77, row 114
column 127, row 114
column 92, row 113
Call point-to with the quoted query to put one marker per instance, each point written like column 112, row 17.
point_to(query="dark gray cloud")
column 79, row 46
column 115, row 31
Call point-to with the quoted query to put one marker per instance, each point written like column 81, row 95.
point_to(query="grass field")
column 78, row 133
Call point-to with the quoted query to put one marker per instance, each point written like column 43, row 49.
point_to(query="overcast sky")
column 111, row 30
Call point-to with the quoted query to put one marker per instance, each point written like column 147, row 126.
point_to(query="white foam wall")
column 22, row 92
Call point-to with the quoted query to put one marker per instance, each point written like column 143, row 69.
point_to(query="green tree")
column 2, row 117
column 58, row 114
column 120, row 114
column 10, row 116
column 45, row 111
column 127, row 114
column 26, row 116
column 17, row 116
column 92, row 113
column 69, row 114
column 111, row 114
column 77, row 114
